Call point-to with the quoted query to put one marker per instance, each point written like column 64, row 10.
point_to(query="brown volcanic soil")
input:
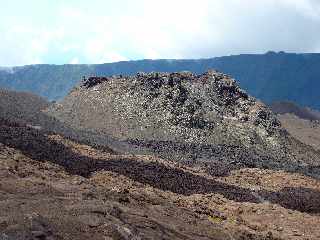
column 304, row 130
column 54, row 188
column 292, row 108
column 301, row 122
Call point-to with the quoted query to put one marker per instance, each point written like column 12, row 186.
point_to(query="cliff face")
column 190, row 118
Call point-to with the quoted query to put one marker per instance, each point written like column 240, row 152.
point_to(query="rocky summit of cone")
column 202, row 119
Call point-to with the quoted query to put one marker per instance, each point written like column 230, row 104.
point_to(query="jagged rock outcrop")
column 198, row 119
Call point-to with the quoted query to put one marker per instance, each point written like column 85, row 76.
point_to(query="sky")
column 101, row 31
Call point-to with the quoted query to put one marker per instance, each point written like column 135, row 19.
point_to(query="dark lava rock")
column 202, row 119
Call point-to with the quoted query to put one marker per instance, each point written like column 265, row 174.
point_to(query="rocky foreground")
column 54, row 188
column 154, row 156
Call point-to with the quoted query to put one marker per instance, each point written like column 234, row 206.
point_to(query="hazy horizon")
column 158, row 59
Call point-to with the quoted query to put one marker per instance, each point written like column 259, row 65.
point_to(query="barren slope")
column 292, row 108
column 53, row 188
column 304, row 130
column 230, row 171
column 203, row 120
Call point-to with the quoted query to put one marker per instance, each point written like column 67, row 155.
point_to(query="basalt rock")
column 55, row 188
column 194, row 112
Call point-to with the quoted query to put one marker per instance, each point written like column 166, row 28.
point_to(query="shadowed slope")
column 160, row 174
column 203, row 120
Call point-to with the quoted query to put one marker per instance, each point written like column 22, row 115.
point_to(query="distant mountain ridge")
column 269, row 77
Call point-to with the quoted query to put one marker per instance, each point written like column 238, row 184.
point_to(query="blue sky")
column 97, row 31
